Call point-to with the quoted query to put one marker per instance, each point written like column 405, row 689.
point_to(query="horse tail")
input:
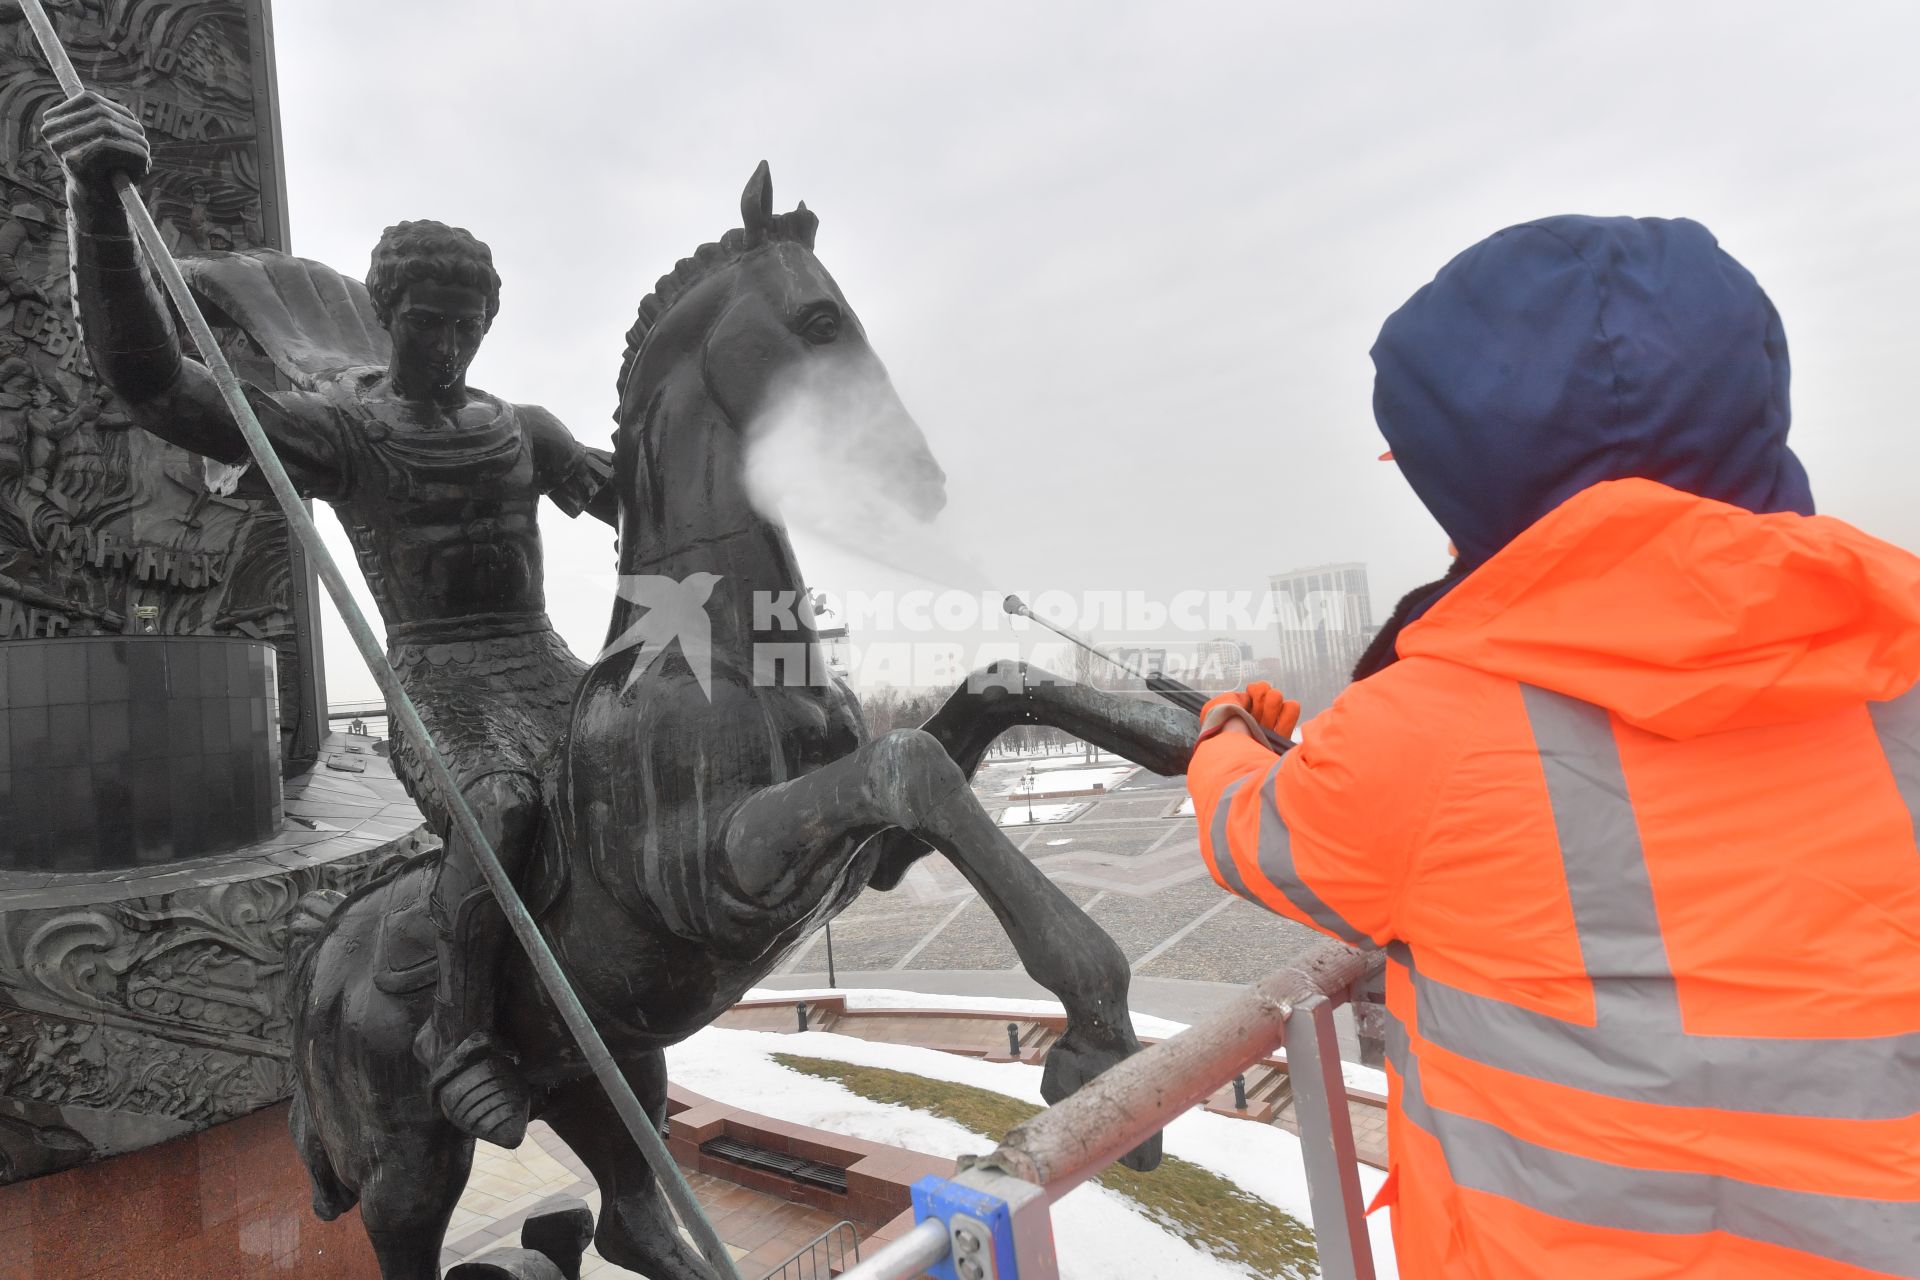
column 313, row 915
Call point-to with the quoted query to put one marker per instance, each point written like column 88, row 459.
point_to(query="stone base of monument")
column 143, row 1001
column 145, row 1016
column 226, row 1203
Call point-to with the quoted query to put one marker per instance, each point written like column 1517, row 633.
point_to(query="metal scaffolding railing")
column 827, row 1255
column 991, row 1221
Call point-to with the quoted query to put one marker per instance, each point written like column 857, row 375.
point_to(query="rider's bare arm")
column 577, row 478
column 129, row 332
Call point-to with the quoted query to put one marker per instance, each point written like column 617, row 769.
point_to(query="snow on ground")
column 880, row 998
column 1055, row 781
column 1359, row 1077
column 999, row 774
column 1098, row 1234
column 1023, row 814
column 1074, row 755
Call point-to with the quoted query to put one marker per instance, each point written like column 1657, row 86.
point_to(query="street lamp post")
column 1031, row 775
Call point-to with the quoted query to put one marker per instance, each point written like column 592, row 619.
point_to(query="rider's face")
column 436, row 330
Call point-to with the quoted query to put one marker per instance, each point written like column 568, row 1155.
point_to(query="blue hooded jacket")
column 1560, row 353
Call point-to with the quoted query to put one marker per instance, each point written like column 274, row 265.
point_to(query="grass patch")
column 1196, row 1204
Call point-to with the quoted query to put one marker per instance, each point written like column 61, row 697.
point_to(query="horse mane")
column 796, row 227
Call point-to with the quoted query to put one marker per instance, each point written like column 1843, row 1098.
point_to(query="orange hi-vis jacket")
column 1635, row 818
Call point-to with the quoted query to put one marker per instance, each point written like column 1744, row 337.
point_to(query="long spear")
column 545, row 965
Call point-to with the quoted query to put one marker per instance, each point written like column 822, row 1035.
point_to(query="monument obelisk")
column 104, row 530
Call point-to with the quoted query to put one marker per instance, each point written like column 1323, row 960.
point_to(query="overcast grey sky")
column 1124, row 260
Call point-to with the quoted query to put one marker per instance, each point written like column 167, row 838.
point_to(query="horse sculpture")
column 705, row 814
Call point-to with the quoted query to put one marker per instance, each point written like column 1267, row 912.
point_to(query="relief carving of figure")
column 88, row 453
column 24, row 250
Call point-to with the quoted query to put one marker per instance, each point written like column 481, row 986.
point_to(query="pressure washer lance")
column 1184, row 696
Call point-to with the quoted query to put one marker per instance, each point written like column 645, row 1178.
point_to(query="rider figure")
column 437, row 485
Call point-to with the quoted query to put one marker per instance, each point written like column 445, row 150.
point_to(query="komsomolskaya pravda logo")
column 675, row 609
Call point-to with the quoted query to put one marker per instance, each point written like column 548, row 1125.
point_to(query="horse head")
column 747, row 358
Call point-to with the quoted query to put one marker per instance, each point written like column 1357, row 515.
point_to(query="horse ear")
column 802, row 223
column 756, row 205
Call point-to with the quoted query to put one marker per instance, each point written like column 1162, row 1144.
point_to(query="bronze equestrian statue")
column 700, row 816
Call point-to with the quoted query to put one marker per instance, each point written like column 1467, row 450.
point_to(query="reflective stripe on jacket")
column 1635, row 817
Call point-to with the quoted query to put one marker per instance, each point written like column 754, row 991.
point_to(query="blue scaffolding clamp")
column 998, row 1227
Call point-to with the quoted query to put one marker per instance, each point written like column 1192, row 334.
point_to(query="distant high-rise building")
column 1325, row 616
column 1221, row 663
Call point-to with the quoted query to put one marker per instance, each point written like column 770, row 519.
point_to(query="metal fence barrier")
column 991, row 1220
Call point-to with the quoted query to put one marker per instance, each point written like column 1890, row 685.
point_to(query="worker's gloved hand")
column 1273, row 709
column 1258, row 706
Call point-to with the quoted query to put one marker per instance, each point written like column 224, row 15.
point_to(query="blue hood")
column 1560, row 353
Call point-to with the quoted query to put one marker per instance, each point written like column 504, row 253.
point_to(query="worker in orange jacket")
column 1633, row 811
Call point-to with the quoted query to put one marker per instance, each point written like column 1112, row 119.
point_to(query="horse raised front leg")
column 1006, row 694
column 779, row 841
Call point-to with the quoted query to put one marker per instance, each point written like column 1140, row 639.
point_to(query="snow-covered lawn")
column 1098, row 1233
column 1024, row 814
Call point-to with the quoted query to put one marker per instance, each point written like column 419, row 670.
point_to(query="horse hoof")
column 1144, row 1158
column 507, row 1264
column 561, row 1228
column 1072, row 1062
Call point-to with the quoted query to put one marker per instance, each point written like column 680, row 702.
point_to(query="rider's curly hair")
column 410, row 252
